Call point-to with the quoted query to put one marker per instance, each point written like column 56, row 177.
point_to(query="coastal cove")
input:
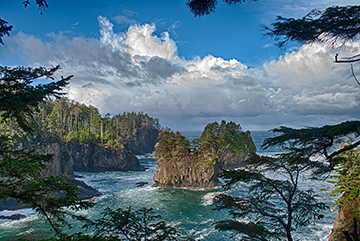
column 189, row 211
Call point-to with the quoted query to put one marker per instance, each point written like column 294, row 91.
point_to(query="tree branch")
column 347, row 148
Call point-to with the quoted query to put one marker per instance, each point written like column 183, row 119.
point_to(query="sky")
column 153, row 56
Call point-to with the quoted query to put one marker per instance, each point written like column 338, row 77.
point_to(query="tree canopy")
column 274, row 205
column 19, row 96
column 20, row 169
column 205, row 7
column 312, row 141
column 337, row 23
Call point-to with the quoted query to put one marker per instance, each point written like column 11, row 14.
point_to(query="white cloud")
column 138, row 71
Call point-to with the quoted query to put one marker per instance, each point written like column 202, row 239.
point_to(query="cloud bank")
column 139, row 71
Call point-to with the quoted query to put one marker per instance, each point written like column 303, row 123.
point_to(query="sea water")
column 189, row 211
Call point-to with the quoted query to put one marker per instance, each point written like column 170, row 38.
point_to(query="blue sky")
column 155, row 57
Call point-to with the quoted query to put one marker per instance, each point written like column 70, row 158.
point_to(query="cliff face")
column 196, row 170
column 344, row 220
column 144, row 142
column 230, row 159
column 61, row 163
column 187, row 171
column 95, row 158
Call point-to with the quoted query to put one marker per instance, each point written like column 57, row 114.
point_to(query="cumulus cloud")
column 139, row 71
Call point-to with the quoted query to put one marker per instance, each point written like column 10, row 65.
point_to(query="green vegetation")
column 20, row 169
column 68, row 121
column 171, row 144
column 132, row 225
column 215, row 138
column 347, row 179
column 197, row 164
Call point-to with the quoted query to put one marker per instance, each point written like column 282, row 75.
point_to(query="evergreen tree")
column 205, row 7
column 20, row 169
column 274, row 204
column 132, row 225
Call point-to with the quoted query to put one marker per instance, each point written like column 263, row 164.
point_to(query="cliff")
column 192, row 171
column 344, row 220
column 144, row 142
column 96, row 158
column 197, row 166
column 61, row 165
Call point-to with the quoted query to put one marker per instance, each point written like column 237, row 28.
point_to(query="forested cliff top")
column 68, row 121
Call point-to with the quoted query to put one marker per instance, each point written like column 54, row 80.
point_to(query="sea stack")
column 195, row 165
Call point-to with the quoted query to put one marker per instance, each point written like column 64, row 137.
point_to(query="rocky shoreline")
column 69, row 158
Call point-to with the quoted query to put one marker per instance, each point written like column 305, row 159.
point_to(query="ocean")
column 190, row 211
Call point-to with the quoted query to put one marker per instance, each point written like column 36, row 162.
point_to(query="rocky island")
column 195, row 165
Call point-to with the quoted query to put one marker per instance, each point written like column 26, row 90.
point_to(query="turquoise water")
column 189, row 211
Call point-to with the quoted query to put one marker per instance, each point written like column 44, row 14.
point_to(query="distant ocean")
column 189, row 211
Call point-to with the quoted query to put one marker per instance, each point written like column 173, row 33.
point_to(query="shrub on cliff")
column 215, row 138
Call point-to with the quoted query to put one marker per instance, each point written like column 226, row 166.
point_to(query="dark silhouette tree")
column 205, row 7
column 311, row 142
column 128, row 224
column 20, row 169
column 274, row 205
column 20, row 97
column 5, row 28
column 334, row 24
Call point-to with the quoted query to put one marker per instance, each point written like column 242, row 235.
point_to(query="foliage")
column 275, row 205
column 347, row 178
column 314, row 141
column 277, row 199
column 205, row 7
column 132, row 225
column 170, row 144
column 215, row 138
column 19, row 97
column 4, row 29
column 334, row 23
column 323, row 146
column 223, row 136
column 68, row 121
column 20, row 169
column 42, row 4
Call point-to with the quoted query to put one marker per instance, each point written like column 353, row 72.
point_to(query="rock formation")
column 190, row 171
column 95, row 158
column 344, row 220
column 182, row 165
column 144, row 142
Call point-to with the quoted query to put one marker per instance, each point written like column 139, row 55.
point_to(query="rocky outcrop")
column 13, row 217
column 229, row 159
column 95, row 158
column 196, row 170
column 61, row 162
column 84, row 192
column 190, row 171
column 344, row 220
column 144, row 142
